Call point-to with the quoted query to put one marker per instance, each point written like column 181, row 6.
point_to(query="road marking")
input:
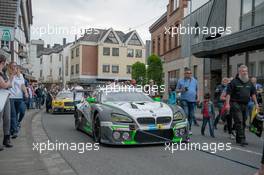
column 248, row 151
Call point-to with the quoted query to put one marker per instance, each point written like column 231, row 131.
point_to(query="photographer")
column 188, row 88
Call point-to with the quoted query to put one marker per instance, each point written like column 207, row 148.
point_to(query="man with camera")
column 188, row 88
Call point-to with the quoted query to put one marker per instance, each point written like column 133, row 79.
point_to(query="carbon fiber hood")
column 143, row 109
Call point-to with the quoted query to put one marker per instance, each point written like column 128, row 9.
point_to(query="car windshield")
column 79, row 96
column 63, row 95
column 125, row 96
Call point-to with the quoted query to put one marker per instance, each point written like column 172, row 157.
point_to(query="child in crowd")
column 208, row 113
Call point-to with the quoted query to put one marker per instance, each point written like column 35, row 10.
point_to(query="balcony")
column 234, row 43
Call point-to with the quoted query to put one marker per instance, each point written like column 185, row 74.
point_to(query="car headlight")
column 178, row 116
column 121, row 118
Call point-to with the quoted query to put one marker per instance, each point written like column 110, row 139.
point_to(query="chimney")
column 56, row 45
column 48, row 46
column 64, row 41
column 75, row 38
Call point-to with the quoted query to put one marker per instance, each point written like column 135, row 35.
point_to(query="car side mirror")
column 91, row 100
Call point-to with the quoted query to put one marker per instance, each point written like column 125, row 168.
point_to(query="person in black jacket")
column 239, row 91
column 48, row 101
column 39, row 97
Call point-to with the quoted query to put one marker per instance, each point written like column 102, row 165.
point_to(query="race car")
column 63, row 102
column 130, row 118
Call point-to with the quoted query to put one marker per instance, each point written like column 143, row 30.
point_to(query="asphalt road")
column 154, row 159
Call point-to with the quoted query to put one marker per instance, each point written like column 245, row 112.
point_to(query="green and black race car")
column 130, row 118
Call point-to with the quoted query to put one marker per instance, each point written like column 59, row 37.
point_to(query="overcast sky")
column 71, row 15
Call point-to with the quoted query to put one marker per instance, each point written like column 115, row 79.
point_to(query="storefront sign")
column 6, row 34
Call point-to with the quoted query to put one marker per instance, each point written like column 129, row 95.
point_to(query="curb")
column 23, row 159
column 53, row 160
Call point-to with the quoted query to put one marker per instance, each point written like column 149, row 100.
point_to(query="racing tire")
column 97, row 129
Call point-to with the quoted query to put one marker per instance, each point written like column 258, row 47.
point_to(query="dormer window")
column 111, row 39
column 134, row 41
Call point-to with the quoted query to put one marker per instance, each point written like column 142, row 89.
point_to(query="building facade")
column 54, row 64
column 35, row 48
column 148, row 49
column 105, row 55
column 226, row 51
column 66, row 54
column 50, row 64
column 15, row 23
column 168, row 44
column 233, row 37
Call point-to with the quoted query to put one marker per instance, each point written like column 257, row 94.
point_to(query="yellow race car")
column 63, row 102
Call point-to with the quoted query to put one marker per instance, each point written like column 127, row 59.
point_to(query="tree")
column 139, row 72
column 154, row 71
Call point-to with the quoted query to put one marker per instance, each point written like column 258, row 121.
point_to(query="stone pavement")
column 21, row 159
column 53, row 159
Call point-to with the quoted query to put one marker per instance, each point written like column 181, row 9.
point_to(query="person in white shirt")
column 18, row 91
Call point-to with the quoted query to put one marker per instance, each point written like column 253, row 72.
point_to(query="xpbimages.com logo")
column 147, row 89
column 64, row 146
column 63, row 30
column 208, row 147
column 191, row 30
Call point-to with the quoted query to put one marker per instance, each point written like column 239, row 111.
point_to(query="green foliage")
column 155, row 69
column 139, row 72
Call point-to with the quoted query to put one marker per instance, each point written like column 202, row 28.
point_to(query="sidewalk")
column 21, row 159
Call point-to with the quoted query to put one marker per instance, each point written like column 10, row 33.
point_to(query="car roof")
column 62, row 92
column 122, row 89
